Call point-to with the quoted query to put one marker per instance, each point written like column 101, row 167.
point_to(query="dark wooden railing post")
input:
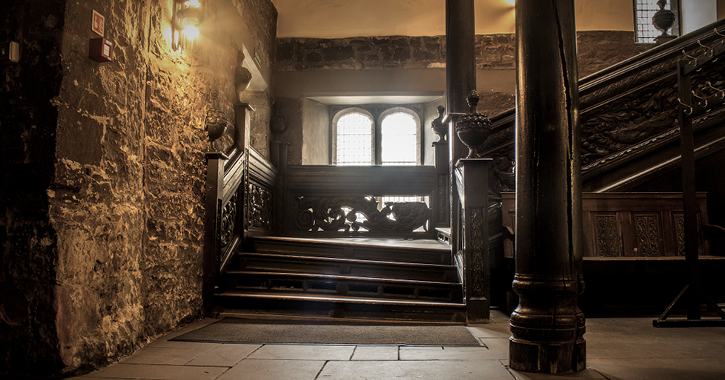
column 214, row 193
column 279, row 160
column 472, row 181
column 442, row 206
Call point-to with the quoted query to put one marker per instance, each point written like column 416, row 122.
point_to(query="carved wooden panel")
column 443, row 200
column 228, row 222
column 648, row 232
column 607, row 234
column 260, row 207
column 627, row 224
column 317, row 214
column 476, row 250
column 679, row 219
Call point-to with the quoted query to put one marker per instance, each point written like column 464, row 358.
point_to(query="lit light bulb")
column 190, row 32
column 511, row 2
column 192, row 4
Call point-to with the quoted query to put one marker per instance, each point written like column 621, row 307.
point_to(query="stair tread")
column 338, row 299
column 271, row 317
column 344, row 260
column 418, row 244
column 346, row 278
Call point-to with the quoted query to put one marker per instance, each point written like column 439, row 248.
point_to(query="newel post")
column 214, row 193
column 472, row 175
column 441, row 152
column 278, row 153
column 472, row 180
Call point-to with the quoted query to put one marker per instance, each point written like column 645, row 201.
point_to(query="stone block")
column 338, row 53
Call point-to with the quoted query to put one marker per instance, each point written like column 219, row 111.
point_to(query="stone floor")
column 617, row 348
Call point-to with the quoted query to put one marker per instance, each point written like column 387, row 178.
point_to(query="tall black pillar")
column 460, row 55
column 460, row 80
column 547, row 325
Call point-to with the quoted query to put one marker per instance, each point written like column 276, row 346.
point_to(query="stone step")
column 275, row 262
column 398, row 250
column 345, row 285
column 358, row 279
column 340, row 306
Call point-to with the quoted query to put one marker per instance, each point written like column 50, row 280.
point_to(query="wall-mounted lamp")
column 186, row 19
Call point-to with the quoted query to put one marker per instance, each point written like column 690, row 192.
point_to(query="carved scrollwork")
column 623, row 85
column 443, row 200
column 503, row 172
column 621, row 116
column 629, row 120
column 228, row 221
column 358, row 214
column 260, row 213
column 609, row 243
column 679, row 219
column 476, row 251
column 648, row 235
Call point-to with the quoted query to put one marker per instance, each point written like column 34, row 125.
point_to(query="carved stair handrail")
column 628, row 112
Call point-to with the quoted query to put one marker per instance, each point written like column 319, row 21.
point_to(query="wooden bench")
column 633, row 247
column 626, row 225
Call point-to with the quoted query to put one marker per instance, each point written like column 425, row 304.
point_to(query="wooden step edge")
column 343, row 260
column 286, row 318
column 334, row 277
column 420, row 257
column 339, row 299
column 349, row 242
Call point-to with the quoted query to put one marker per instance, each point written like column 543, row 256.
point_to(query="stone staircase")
column 361, row 280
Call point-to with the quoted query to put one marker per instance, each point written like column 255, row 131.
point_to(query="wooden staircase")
column 350, row 280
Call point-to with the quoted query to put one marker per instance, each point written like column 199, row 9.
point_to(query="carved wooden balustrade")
column 239, row 202
column 628, row 115
column 336, row 201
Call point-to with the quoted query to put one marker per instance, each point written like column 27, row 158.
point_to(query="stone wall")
column 597, row 50
column 103, row 249
column 288, row 113
column 97, row 201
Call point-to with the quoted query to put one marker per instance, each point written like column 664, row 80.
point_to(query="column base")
column 547, row 357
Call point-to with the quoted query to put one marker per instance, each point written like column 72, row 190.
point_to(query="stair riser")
column 343, row 310
column 361, row 253
column 450, row 293
column 361, row 270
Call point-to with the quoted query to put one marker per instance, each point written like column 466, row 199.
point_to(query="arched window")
column 399, row 138
column 354, row 137
column 357, row 139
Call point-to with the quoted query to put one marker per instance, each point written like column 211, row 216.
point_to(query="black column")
column 460, row 55
column 547, row 325
column 460, row 80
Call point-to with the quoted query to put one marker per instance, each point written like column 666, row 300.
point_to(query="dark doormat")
column 230, row 330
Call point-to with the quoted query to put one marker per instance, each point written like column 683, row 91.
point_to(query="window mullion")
column 377, row 144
